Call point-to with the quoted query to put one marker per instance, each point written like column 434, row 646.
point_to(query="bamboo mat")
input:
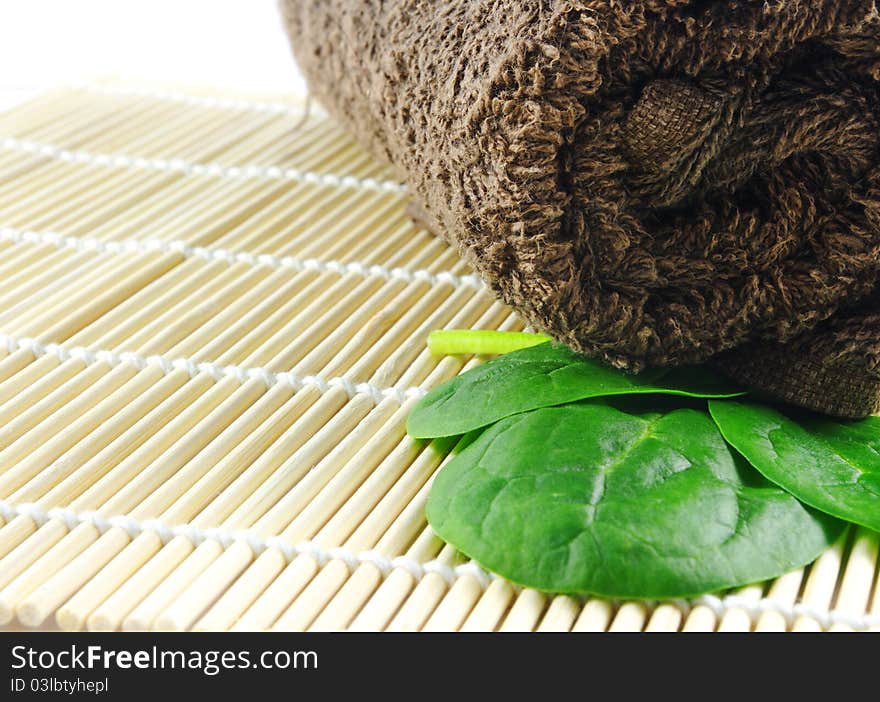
column 213, row 316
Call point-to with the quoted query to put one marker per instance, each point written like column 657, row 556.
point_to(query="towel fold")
column 652, row 183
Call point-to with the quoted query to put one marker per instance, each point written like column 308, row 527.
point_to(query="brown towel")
column 650, row 182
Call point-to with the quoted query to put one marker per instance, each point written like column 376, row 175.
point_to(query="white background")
column 238, row 45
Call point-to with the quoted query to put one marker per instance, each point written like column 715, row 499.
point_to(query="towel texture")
column 652, row 182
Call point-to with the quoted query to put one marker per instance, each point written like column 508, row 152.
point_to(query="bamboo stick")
column 854, row 594
column 821, row 583
column 630, row 616
column 596, row 615
column 737, row 618
column 62, row 583
column 784, row 590
column 561, row 614
column 428, row 592
column 525, row 612
column 492, row 608
column 304, row 610
column 665, row 617
column 455, row 606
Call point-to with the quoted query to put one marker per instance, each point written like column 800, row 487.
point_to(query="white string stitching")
column 418, row 569
column 239, row 104
column 254, row 541
column 242, row 374
column 147, row 246
column 178, row 165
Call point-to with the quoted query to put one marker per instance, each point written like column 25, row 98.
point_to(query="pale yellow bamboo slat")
column 665, row 617
column 304, row 519
column 310, row 456
column 33, row 383
column 425, row 596
column 75, row 612
column 821, row 583
column 77, row 191
column 700, row 618
column 325, row 586
column 106, row 492
column 120, row 495
column 186, row 609
column 737, row 618
column 35, row 605
column 874, row 611
column 171, row 333
column 857, row 579
column 785, row 590
column 342, row 479
column 525, row 612
column 493, row 606
column 55, row 590
column 631, row 616
column 596, row 615
column 560, row 614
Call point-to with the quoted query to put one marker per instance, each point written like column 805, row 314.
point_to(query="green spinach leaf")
column 589, row 498
column 543, row 376
column 831, row 465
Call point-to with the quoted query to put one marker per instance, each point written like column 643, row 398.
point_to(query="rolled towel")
column 652, row 183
